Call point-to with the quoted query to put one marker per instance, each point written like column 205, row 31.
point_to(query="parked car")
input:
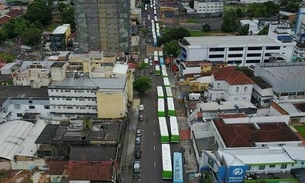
column 141, row 117
column 138, row 140
column 138, row 134
column 137, row 154
column 141, row 108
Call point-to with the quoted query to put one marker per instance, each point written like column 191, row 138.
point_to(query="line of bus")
column 157, row 70
column 168, row 91
column 160, row 92
column 167, row 171
column 161, row 108
column 166, row 82
column 164, row 135
column 164, row 73
column 177, row 167
column 163, row 67
column 161, row 61
column 170, row 107
column 146, row 61
column 160, row 53
column 174, row 130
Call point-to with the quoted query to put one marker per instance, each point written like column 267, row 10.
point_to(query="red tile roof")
column 57, row 167
column 92, row 172
column 4, row 19
column 232, row 76
column 224, row 116
column 246, row 134
column 14, row 13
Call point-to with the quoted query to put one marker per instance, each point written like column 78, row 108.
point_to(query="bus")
column 161, row 110
column 164, row 72
column 164, row 136
column 156, row 60
column 169, row 92
column 160, row 53
column 175, row 137
column 157, row 70
column 166, row 82
column 178, row 167
column 146, row 62
column 156, row 54
column 170, row 107
column 163, row 67
column 161, row 60
column 167, row 171
column 160, row 92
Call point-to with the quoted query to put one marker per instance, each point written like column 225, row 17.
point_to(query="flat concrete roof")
column 23, row 92
column 221, row 41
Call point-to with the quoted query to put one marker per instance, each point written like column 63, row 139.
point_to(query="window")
column 82, row 107
column 94, row 99
column 253, row 61
column 254, row 55
column 216, row 56
column 67, row 90
column 69, row 107
column 69, row 99
column 80, row 91
column 216, row 49
column 46, row 107
column 19, row 114
column 273, row 47
column 268, row 54
column 17, row 106
column 31, row 107
column 244, row 98
column 271, row 166
column 237, row 89
column 81, row 99
column 235, row 62
column 235, row 55
column 236, row 49
column 245, row 89
column 30, row 101
column 261, row 167
column 255, row 48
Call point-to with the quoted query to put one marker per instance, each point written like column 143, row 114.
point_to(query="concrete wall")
column 260, row 119
column 111, row 104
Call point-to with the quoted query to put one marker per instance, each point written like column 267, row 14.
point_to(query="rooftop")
column 116, row 83
column 57, row 167
column 58, row 64
column 226, row 41
column 61, row 29
column 214, row 106
column 23, row 92
column 247, row 134
column 91, row 172
column 46, row 134
column 232, row 76
column 93, row 153
column 285, row 71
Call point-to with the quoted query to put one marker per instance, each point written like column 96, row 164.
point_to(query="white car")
column 141, row 108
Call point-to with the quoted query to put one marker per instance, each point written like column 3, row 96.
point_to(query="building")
column 238, row 50
column 18, row 101
column 59, row 38
column 229, row 84
column 253, row 26
column 103, row 25
column 253, row 1
column 212, row 7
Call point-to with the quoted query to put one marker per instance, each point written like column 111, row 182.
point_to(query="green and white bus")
column 168, row 92
column 171, row 107
column 174, row 130
column 167, row 171
column 161, row 111
column 163, row 67
column 164, row 73
column 157, row 70
column 160, row 92
column 164, row 136
column 146, row 62
column 166, row 82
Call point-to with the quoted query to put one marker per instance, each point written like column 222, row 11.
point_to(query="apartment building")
column 237, row 50
column 59, row 37
column 103, row 25
column 208, row 6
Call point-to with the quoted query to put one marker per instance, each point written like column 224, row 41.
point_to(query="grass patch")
column 198, row 33
column 190, row 20
column 8, row 58
column 301, row 130
column 234, row 7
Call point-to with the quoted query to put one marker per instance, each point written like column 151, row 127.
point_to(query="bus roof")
column 163, row 126
column 174, row 125
column 166, row 157
column 161, row 104
column 160, row 91
column 170, row 103
column 166, row 82
column 169, row 91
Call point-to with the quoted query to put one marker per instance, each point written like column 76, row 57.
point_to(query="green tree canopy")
column 206, row 27
column 142, row 84
column 142, row 65
column 31, row 37
column 230, row 22
column 292, row 7
column 173, row 34
column 264, row 31
column 3, row 35
column 172, row 48
column 239, row 13
column 67, row 16
column 39, row 11
column 244, row 30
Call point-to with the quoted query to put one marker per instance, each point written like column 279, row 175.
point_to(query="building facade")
column 237, row 50
column 208, row 6
column 103, row 25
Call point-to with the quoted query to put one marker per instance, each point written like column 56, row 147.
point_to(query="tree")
column 244, row 30
column 172, row 48
column 264, row 31
column 39, row 11
column 272, row 8
column 206, row 27
column 31, row 37
column 142, row 84
column 173, row 34
column 239, row 13
column 230, row 22
column 142, row 65
column 67, row 16
column 3, row 35
column 257, row 10
column 292, row 7
column 191, row 3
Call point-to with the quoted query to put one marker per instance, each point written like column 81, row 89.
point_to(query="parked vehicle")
column 138, row 134
column 136, row 167
column 138, row 140
column 137, row 154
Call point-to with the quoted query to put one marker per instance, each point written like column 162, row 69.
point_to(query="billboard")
column 236, row 174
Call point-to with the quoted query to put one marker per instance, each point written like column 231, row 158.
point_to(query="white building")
column 253, row 1
column 253, row 26
column 208, row 6
column 230, row 85
column 240, row 50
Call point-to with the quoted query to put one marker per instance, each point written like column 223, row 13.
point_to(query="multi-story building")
column 59, row 37
column 208, row 6
column 230, row 85
column 253, row 1
column 103, row 25
column 240, row 50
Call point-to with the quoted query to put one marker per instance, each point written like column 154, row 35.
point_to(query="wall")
column 202, row 130
column 5, row 164
column 111, row 104
column 276, row 169
column 260, row 119
column 58, row 73
column 79, row 181
column 27, row 165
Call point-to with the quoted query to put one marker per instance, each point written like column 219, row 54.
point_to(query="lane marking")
column 154, row 133
column 154, row 122
column 154, row 147
column 154, row 164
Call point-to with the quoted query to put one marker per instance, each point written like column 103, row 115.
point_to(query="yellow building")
column 199, row 84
